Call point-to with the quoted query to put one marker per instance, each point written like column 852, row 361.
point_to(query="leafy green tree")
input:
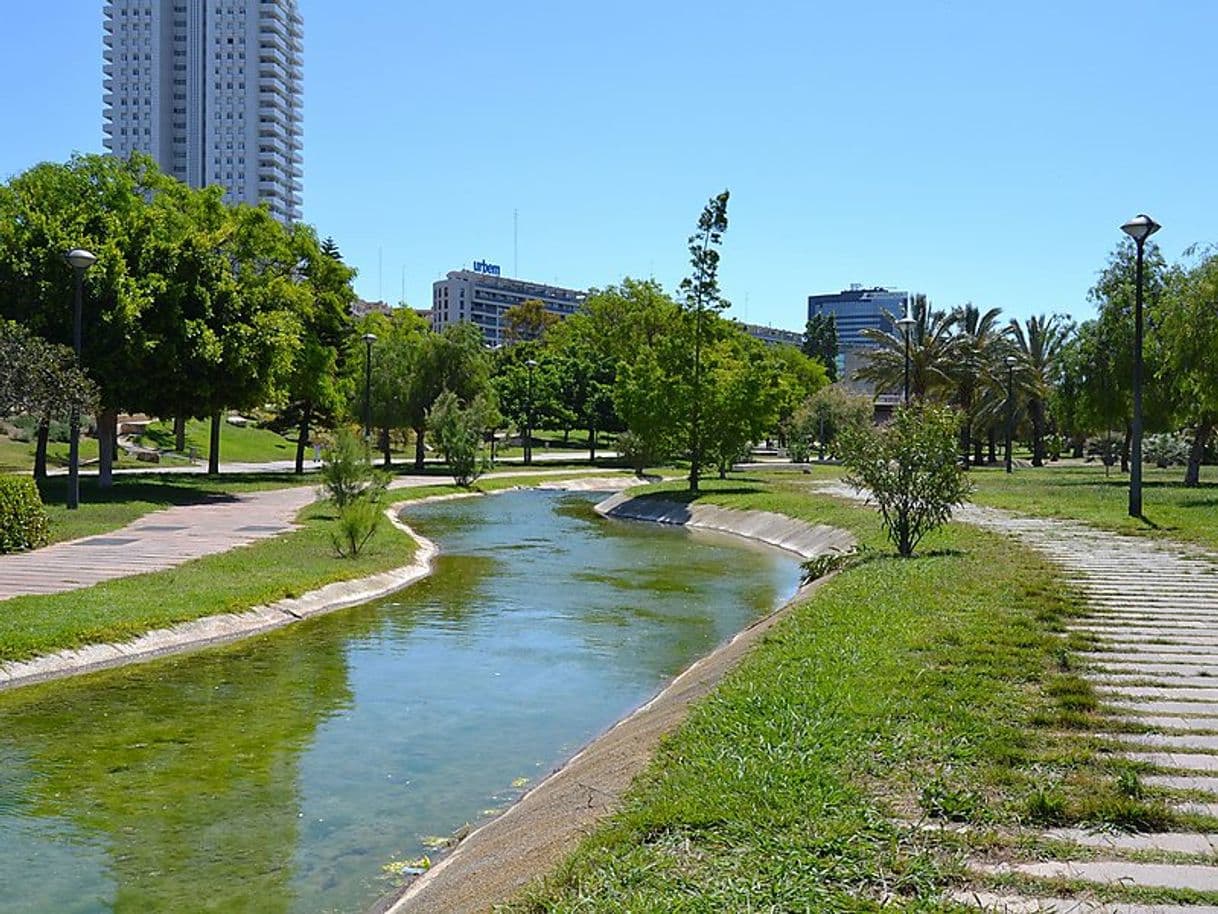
column 1186, row 321
column 909, row 469
column 822, row 416
column 642, row 397
column 700, row 296
column 820, row 342
column 527, row 321
column 799, row 377
column 744, row 394
column 460, row 432
column 978, row 347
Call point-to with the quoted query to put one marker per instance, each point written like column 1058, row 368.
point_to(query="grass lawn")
column 936, row 688
column 132, row 496
column 1085, row 493
column 232, row 581
column 238, row 444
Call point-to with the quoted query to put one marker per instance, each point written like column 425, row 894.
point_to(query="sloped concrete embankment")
column 497, row 860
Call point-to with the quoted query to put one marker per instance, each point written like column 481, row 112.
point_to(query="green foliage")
column 38, row 378
column 358, row 521
column 1165, row 450
column 347, row 473
column 23, row 519
column 820, row 342
column 909, row 470
column 460, row 432
column 822, row 417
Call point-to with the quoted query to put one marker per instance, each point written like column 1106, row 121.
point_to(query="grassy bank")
column 1084, row 492
column 932, row 689
column 232, row 581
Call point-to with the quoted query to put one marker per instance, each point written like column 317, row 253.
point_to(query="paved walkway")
column 173, row 536
column 1154, row 613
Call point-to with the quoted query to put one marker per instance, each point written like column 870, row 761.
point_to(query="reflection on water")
column 281, row 774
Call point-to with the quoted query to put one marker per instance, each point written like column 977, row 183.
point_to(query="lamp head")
column 1011, row 361
column 80, row 259
column 532, row 363
column 369, row 338
column 1140, row 227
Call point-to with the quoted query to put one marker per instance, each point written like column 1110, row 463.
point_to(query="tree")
column 909, row 469
column 977, row 346
column 820, row 342
column 700, row 294
column 459, row 431
column 1187, row 325
column 799, row 377
column 930, row 354
column 642, row 397
column 527, row 321
column 823, row 416
column 330, row 249
column 1038, row 347
column 744, row 392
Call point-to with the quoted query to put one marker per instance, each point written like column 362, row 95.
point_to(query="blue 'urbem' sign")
column 490, row 269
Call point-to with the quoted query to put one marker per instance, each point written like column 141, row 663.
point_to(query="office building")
column 211, row 89
column 772, row 335
column 857, row 309
column 482, row 295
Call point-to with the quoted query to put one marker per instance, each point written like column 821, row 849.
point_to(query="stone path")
column 173, row 536
column 1154, row 614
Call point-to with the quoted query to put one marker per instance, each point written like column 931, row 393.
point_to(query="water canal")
column 282, row 774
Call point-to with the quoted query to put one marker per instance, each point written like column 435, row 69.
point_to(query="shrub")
column 638, row 451
column 459, row 432
column 23, row 519
column 1166, row 450
column 909, row 469
column 1106, row 447
column 823, row 416
column 358, row 521
column 347, row 473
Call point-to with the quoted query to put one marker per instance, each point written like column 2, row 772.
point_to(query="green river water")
column 283, row 773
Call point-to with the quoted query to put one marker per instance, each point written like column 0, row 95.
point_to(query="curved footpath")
column 225, row 526
column 491, row 865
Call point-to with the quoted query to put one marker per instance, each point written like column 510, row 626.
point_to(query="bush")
column 1166, row 450
column 459, row 432
column 23, row 519
column 638, row 451
column 909, row 468
column 356, row 489
column 829, row 411
column 1106, row 447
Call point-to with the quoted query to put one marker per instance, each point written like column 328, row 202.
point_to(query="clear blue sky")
column 976, row 151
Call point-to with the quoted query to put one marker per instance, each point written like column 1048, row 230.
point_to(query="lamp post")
column 528, row 434
column 79, row 260
column 906, row 322
column 369, row 339
column 1139, row 228
column 1011, row 362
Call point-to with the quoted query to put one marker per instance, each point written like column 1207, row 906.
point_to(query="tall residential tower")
column 211, row 89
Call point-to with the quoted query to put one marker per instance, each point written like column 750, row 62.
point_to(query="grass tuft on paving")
column 901, row 691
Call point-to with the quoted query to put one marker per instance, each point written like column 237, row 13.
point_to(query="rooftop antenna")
column 516, row 243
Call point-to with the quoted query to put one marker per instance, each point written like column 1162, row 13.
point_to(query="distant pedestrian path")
column 164, row 539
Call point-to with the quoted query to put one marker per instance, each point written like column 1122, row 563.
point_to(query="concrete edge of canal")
column 498, row 859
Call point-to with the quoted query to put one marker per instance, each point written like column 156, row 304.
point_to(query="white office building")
column 211, row 89
column 481, row 295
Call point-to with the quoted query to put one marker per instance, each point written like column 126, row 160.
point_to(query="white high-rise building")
column 212, row 90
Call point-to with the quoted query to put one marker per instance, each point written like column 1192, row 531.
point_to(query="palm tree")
column 976, row 346
column 930, row 354
column 1038, row 346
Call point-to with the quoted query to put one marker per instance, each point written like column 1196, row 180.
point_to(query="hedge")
column 23, row 519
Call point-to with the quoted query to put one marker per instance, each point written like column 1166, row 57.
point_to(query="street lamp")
column 528, row 436
column 1011, row 361
column 369, row 339
column 79, row 260
column 906, row 323
column 1139, row 228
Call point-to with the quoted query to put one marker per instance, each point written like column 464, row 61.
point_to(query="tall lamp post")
column 528, row 434
column 369, row 339
column 1011, row 363
column 1139, row 228
column 906, row 323
column 80, row 261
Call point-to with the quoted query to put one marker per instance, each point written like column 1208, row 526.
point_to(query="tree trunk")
column 566, row 436
column 1125, row 449
column 978, row 451
column 40, row 447
column 213, row 451
column 419, row 431
column 992, row 441
column 966, row 442
column 1192, row 475
column 1078, row 446
column 302, row 436
column 107, row 443
column 723, row 471
column 386, row 448
column 179, row 434
column 1038, row 433
column 592, row 445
